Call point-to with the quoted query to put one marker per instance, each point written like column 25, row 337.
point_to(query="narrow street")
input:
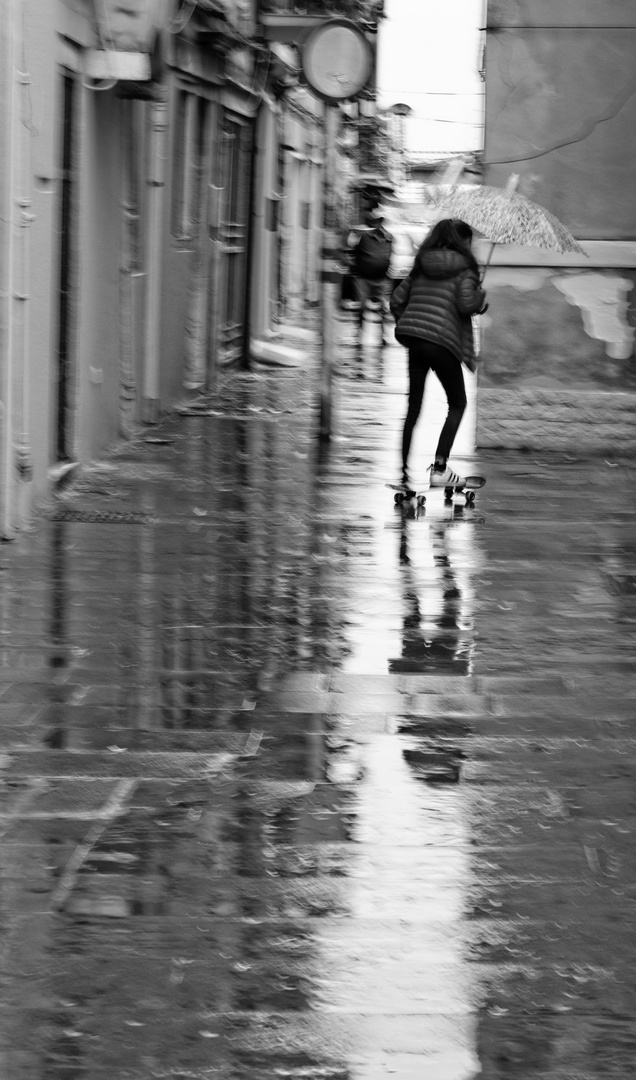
column 298, row 783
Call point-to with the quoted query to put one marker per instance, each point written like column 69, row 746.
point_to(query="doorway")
column 235, row 158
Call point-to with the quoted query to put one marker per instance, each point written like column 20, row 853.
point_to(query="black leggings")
column 424, row 355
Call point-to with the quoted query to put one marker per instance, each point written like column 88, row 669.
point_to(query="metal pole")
column 330, row 273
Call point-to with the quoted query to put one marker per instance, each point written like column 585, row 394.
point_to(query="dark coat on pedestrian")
column 436, row 301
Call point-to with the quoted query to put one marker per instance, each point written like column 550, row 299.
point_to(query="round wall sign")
column 337, row 60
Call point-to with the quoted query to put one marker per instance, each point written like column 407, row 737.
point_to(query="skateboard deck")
column 408, row 494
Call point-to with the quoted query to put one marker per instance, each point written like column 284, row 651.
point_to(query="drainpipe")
column 9, row 146
column 156, row 188
column 23, row 450
column 250, row 247
column 127, row 267
column 194, row 368
column 215, row 196
column 194, row 359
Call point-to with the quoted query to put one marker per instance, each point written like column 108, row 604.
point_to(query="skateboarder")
column 432, row 308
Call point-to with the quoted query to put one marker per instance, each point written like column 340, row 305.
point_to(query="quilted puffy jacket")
column 436, row 304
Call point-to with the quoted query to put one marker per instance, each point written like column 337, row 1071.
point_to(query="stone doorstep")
column 541, row 419
column 590, row 403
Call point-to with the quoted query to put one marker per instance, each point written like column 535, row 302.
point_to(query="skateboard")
column 404, row 494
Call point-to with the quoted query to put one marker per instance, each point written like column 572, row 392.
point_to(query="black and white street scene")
column 318, row 540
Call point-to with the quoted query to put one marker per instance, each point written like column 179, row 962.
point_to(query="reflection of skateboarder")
column 434, row 641
column 432, row 309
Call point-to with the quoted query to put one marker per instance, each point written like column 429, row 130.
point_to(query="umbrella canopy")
column 504, row 217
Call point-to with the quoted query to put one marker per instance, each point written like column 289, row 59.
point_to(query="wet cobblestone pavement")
column 297, row 783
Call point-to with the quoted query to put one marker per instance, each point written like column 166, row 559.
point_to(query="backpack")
column 372, row 256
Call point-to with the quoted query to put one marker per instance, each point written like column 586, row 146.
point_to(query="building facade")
column 160, row 213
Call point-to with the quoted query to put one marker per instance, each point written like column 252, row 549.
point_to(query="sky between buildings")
column 429, row 55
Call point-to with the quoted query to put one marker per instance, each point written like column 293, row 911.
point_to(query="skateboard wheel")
column 398, row 498
column 421, row 499
column 448, row 493
column 470, row 498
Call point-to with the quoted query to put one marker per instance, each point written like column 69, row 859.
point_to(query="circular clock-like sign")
column 337, row 60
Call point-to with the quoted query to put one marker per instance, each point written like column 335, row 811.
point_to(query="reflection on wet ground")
column 297, row 783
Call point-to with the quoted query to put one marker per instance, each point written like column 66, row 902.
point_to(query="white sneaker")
column 448, row 478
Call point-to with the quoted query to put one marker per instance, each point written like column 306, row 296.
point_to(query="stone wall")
column 557, row 364
column 561, row 109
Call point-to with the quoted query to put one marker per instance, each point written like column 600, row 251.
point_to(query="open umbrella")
column 504, row 216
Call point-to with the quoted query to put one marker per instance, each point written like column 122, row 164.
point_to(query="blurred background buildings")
column 161, row 185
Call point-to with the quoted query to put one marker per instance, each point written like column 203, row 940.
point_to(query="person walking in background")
column 432, row 308
column 370, row 263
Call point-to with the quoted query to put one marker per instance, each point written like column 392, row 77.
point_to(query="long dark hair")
column 452, row 234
